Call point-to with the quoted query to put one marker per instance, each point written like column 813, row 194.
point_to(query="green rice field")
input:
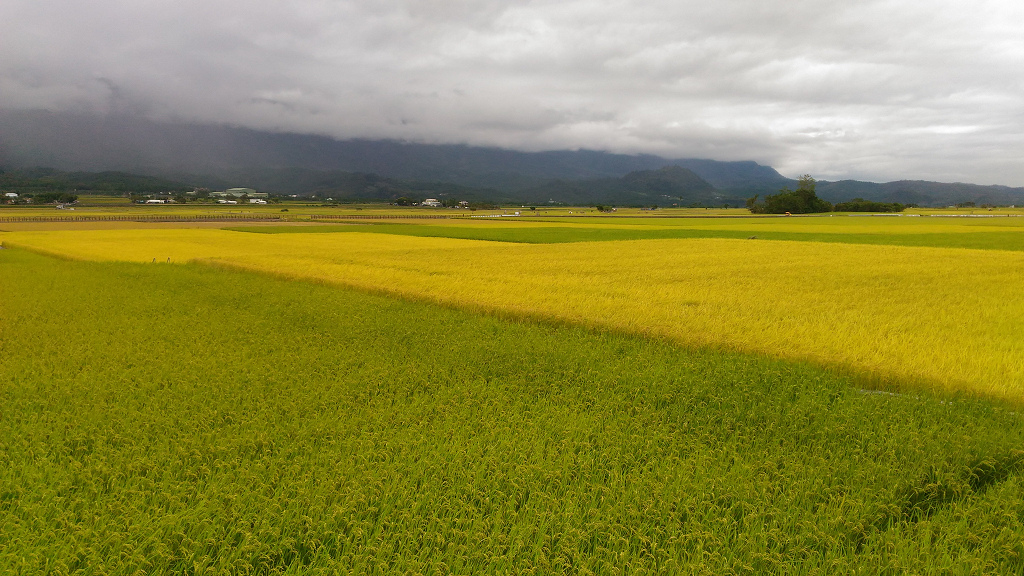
column 183, row 419
column 408, row 397
column 990, row 234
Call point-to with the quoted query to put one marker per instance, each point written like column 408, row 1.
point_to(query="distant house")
column 156, row 201
column 257, row 201
column 10, row 194
column 227, row 201
column 431, row 202
column 239, row 192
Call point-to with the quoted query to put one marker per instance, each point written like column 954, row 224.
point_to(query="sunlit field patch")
column 945, row 319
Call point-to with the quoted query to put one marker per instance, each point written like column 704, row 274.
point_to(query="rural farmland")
column 549, row 393
column 589, row 288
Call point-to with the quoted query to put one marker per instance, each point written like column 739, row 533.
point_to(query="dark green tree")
column 752, row 204
column 54, row 198
column 803, row 200
column 862, row 205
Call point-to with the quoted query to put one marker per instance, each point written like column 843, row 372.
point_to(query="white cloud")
column 876, row 90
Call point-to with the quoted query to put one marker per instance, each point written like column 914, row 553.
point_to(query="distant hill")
column 742, row 178
column 663, row 187
column 33, row 180
column 351, row 186
column 217, row 156
column 921, row 192
column 340, row 185
column 190, row 151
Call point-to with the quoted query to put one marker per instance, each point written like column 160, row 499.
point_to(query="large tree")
column 803, row 200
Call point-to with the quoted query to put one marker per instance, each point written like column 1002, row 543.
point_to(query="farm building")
column 431, row 202
column 239, row 192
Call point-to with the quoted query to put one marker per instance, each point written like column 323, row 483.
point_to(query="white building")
column 431, row 202
column 239, row 192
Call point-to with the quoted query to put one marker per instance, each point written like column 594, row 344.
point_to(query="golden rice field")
column 820, row 224
column 901, row 316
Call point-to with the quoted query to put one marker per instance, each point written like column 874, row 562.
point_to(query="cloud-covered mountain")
column 921, row 192
column 224, row 156
column 85, row 142
column 875, row 90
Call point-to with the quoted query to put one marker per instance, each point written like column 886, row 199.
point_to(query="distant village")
column 65, row 200
column 229, row 196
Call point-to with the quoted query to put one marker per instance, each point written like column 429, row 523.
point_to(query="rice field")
column 292, row 210
column 185, row 419
column 982, row 234
column 552, row 396
column 899, row 317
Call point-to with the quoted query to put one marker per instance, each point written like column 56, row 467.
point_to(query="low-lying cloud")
column 872, row 90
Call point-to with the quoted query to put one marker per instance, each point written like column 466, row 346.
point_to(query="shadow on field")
column 934, row 492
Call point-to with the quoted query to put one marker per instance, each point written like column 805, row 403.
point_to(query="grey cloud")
column 875, row 90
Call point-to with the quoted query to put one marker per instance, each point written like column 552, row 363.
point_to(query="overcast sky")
column 873, row 90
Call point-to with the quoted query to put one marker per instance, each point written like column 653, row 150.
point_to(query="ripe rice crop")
column 187, row 420
column 944, row 319
column 990, row 238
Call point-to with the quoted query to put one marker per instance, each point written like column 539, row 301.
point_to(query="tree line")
column 804, row 200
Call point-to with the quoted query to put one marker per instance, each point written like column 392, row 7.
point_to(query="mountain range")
column 218, row 156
